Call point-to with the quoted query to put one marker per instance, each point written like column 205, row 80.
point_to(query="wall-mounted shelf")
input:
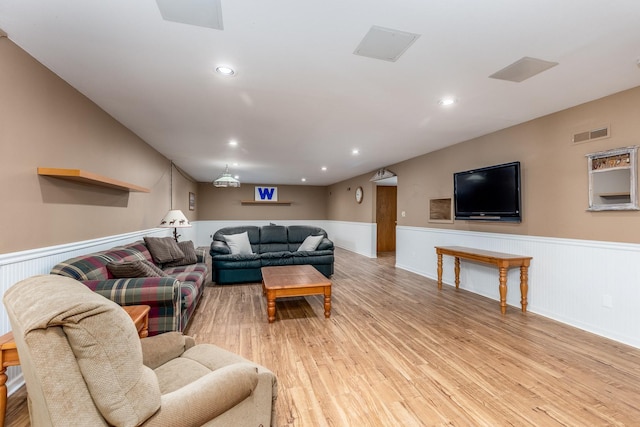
column 80, row 175
column 613, row 179
column 256, row 202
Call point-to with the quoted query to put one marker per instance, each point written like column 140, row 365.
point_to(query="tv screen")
column 489, row 194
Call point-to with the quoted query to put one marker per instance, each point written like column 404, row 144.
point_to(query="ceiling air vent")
column 590, row 135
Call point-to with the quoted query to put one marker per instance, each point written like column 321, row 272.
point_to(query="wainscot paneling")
column 591, row 285
column 17, row 266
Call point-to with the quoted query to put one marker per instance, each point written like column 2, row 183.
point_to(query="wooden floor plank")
column 396, row 351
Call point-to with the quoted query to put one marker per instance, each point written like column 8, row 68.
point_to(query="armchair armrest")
column 207, row 397
column 159, row 349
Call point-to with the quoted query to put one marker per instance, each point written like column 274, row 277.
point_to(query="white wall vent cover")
column 384, row 43
column 202, row 13
column 523, row 69
column 590, row 135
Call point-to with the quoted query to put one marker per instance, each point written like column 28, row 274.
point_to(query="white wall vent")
column 590, row 135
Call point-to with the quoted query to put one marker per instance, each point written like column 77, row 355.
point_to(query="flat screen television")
column 488, row 194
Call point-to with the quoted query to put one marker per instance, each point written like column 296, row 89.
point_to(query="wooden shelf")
column 256, row 202
column 621, row 194
column 91, row 178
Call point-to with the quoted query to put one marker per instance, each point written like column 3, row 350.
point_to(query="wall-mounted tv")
column 488, row 194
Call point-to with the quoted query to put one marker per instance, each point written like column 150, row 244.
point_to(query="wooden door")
column 386, row 216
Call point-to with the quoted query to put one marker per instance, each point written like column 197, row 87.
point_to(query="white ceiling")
column 301, row 99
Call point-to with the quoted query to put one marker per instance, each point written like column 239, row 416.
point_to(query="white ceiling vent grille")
column 202, row 13
column 523, row 69
column 590, row 135
column 384, row 43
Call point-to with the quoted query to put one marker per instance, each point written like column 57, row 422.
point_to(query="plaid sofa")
column 172, row 299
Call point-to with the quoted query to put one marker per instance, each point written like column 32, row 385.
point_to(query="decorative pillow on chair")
column 133, row 269
column 190, row 256
column 239, row 243
column 163, row 249
column 310, row 243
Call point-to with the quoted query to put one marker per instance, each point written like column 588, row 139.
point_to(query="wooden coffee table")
column 294, row 281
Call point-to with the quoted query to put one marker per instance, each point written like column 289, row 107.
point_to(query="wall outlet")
column 607, row 301
column 403, row 214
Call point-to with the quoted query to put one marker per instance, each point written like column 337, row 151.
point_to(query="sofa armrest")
column 219, row 248
column 151, row 291
column 324, row 245
column 207, row 397
column 201, row 254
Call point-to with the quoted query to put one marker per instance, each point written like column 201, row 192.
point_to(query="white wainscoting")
column 17, row 266
column 591, row 285
column 358, row 237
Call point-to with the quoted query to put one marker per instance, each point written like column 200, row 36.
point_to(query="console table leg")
column 457, row 271
column 524, row 286
column 503, row 290
column 439, row 271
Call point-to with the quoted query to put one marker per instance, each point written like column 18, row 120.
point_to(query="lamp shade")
column 175, row 219
column 226, row 180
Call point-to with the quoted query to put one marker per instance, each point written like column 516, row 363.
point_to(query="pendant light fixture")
column 226, row 180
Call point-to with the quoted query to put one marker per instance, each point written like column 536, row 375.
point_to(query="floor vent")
column 590, row 135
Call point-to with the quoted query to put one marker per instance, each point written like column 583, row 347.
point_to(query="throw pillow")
column 239, row 243
column 189, row 251
column 310, row 243
column 163, row 249
column 133, row 269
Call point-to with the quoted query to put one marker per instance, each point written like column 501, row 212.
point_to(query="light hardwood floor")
column 398, row 352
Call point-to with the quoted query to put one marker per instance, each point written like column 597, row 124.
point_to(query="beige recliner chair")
column 84, row 365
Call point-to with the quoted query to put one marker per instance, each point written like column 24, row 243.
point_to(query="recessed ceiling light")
column 447, row 101
column 324, row 168
column 233, row 143
column 304, row 179
column 237, row 177
column 235, row 164
column 225, row 70
column 355, row 151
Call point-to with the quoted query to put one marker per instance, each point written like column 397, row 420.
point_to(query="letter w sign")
column 266, row 194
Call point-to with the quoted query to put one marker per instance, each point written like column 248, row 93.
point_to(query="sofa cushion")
column 127, row 269
column 239, row 243
column 310, row 243
column 273, row 234
column 189, row 251
column 163, row 249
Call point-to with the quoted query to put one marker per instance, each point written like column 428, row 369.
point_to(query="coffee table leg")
column 271, row 306
column 327, row 301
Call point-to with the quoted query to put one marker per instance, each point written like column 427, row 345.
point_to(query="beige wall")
column 554, row 173
column 341, row 200
column 45, row 122
column 307, row 202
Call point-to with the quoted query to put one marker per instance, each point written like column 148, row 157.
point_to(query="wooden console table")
column 500, row 260
column 9, row 353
